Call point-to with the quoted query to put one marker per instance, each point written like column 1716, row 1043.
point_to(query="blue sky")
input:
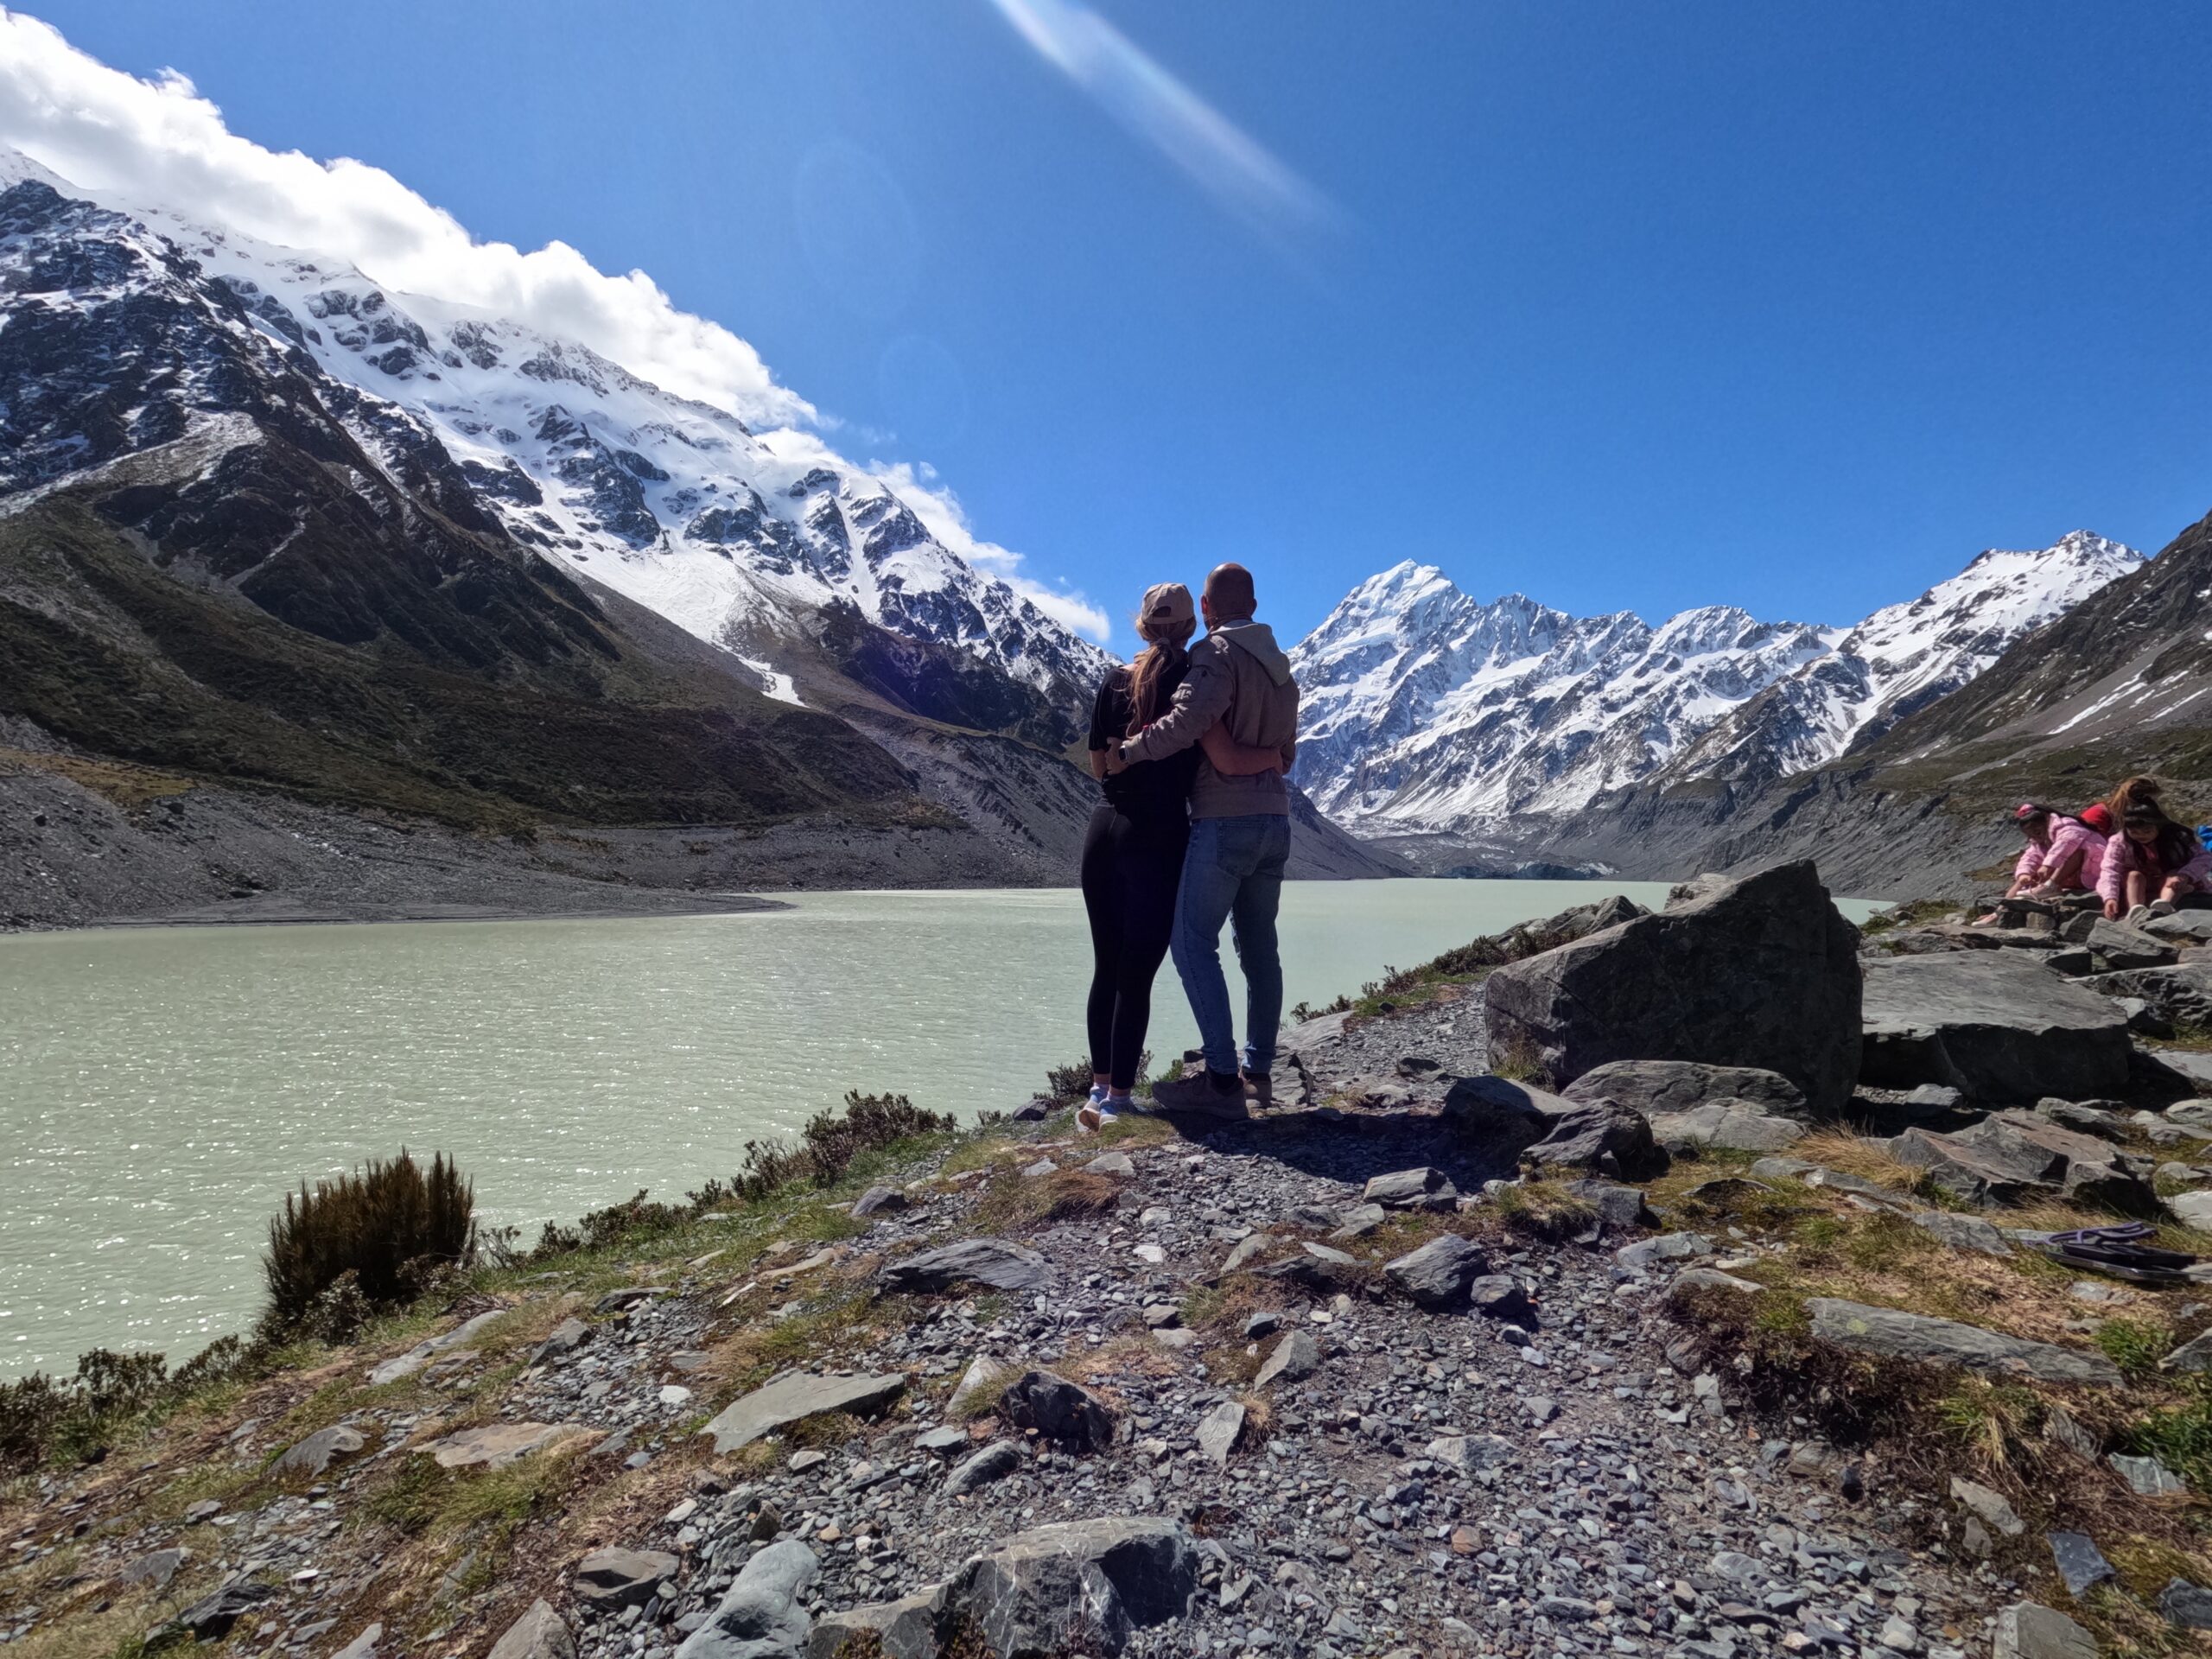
column 1624, row 306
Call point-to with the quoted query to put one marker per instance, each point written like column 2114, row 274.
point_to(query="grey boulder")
column 2013, row 1156
column 1438, row 1273
column 2182, row 994
column 994, row 1462
column 1735, row 1126
column 2028, row 1630
column 538, row 1634
column 1508, row 1122
column 1411, row 1189
column 1499, row 1296
column 1064, row 1413
column 562, row 1340
column 1655, row 1086
column 906, row 1628
column 1219, row 1431
column 2187, row 1604
column 761, row 1616
column 1993, row 1025
column 615, row 1579
column 793, row 1399
column 1887, row 1331
column 884, row 1200
column 1760, row 972
column 2079, row 1561
column 1964, row 1232
column 314, row 1454
column 992, row 1261
column 1075, row 1586
column 2125, row 947
column 1294, row 1359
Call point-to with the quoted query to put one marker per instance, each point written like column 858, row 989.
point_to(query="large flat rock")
column 1897, row 1335
column 793, row 1399
column 497, row 1444
column 1993, row 1024
column 1761, row 972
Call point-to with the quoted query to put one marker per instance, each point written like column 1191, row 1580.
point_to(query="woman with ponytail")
column 1132, row 852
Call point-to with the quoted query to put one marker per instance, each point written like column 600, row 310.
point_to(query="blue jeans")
column 1233, row 871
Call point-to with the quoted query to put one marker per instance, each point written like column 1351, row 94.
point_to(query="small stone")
column 2028, row 1630
column 615, row 1579
column 1990, row 1506
column 314, row 1454
column 1117, row 1164
column 1295, row 1357
column 538, row 1634
column 2147, row 1476
column 1218, row 1432
column 880, row 1199
column 2078, row 1560
column 2187, row 1604
column 994, row 1462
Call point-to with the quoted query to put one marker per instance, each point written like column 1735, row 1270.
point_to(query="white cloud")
column 160, row 144
column 1131, row 85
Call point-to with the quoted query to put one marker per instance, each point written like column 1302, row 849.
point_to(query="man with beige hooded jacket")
column 1240, row 841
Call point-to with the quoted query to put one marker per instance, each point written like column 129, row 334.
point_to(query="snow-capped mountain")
column 1427, row 711
column 740, row 539
column 1902, row 659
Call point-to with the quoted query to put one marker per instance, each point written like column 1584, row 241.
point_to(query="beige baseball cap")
column 1169, row 603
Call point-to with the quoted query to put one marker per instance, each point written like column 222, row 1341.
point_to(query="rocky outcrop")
column 1895, row 1335
column 2012, row 1156
column 1993, row 1024
column 1760, row 972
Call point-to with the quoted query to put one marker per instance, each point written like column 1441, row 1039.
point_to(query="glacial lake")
column 162, row 1090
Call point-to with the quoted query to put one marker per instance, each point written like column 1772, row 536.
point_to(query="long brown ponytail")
column 1163, row 657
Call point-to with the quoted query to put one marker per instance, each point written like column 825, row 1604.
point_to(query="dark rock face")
column 1761, row 972
column 1060, row 1411
column 2182, row 993
column 1655, row 1086
column 990, row 1261
column 1993, row 1025
column 1508, row 1120
column 1076, row 1586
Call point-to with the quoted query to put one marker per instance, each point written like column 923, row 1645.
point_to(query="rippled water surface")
column 162, row 1088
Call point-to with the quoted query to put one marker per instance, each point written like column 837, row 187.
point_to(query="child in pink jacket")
column 2151, row 860
column 2064, row 854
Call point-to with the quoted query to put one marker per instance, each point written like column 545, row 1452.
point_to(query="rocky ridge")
column 1429, row 712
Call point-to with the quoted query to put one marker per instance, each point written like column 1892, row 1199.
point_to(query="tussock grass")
column 374, row 1239
column 1012, row 1201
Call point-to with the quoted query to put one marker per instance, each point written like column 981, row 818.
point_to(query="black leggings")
column 1131, row 868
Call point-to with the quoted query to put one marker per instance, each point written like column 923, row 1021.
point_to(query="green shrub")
column 831, row 1140
column 41, row 1418
column 2181, row 1437
column 393, row 1227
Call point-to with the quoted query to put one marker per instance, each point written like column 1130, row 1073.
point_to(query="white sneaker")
column 1095, row 1116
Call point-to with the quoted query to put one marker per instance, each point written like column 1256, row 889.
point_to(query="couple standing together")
column 1188, row 744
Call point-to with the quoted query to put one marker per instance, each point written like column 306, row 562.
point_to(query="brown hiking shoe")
column 1201, row 1091
column 1259, row 1086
